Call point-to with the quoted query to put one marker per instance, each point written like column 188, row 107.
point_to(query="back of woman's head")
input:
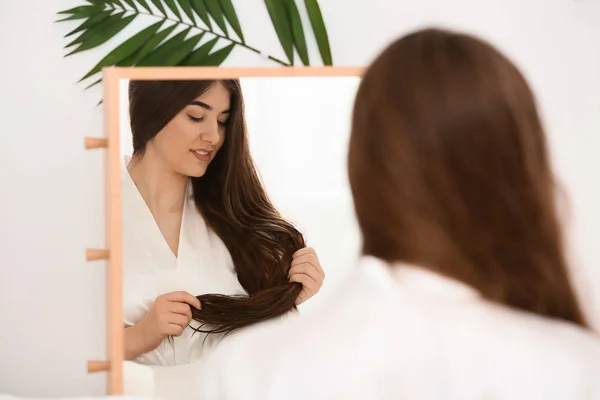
column 449, row 170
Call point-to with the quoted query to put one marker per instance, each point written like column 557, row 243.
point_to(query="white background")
column 51, row 209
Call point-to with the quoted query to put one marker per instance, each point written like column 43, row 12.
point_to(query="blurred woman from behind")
column 464, row 289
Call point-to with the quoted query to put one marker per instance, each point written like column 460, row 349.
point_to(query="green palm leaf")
column 147, row 48
column 99, row 34
column 132, row 4
column 231, row 15
column 93, row 84
column 112, row 18
column 319, row 29
column 144, row 4
column 280, row 21
column 80, row 12
column 160, row 6
column 297, row 30
column 186, row 6
column 125, row 49
column 200, row 53
column 215, row 11
column 151, row 46
column 216, row 59
column 91, row 21
column 171, row 52
column 202, row 11
column 76, row 10
column 107, row 2
column 173, row 7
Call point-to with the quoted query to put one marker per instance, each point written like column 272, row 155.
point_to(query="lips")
column 202, row 154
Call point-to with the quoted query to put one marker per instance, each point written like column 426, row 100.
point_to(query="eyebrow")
column 206, row 106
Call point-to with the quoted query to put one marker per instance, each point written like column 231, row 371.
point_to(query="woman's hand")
column 306, row 269
column 169, row 315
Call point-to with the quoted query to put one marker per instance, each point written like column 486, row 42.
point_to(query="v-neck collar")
column 136, row 207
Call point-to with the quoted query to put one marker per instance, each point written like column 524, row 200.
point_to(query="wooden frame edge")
column 94, row 366
column 95, row 143
column 114, row 278
column 96, row 254
column 201, row 73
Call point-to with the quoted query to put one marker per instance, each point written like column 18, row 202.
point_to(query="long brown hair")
column 232, row 200
column 449, row 169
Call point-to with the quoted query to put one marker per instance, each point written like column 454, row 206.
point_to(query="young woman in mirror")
column 205, row 251
column 464, row 291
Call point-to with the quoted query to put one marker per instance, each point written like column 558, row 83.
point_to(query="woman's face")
column 191, row 140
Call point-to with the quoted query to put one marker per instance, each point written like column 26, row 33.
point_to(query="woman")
column 464, row 291
column 197, row 220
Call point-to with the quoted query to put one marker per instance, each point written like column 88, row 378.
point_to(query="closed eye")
column 200, row 119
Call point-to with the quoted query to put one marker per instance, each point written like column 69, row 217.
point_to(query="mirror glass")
column 298, row 130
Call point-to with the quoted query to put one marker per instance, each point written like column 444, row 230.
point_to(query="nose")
column 210, row 132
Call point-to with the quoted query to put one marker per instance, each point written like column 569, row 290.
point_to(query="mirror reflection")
column 236, row 206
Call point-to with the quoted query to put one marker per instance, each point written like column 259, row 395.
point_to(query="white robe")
column 405, row 333
column 150, row 269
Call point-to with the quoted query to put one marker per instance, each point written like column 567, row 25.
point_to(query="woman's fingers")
column 307, row 255
column 179, row 319
column 309, row 287
column 306, row 269
column 174, row 330
column 304, row 251
column 307, row 282
column 307, row 258
column 182, row 309
column 302, row 297
column 183, row 297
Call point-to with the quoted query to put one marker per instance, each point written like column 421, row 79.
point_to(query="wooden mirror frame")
column 113, row 254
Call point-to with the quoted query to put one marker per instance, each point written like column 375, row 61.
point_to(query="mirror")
column 297, row 124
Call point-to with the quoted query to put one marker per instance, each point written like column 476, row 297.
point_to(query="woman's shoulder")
column 561, row 348
column 538, row 354
column 507, row 351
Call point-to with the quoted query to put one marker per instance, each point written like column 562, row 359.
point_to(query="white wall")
column 52, row 301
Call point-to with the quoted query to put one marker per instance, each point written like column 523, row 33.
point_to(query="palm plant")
column 211, row 19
